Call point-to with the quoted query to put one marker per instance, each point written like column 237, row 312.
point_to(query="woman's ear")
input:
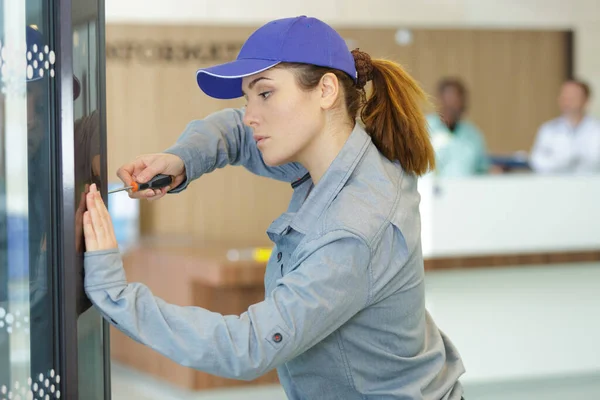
column 330, row 89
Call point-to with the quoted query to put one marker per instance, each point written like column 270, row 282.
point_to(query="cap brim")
column 225, row 81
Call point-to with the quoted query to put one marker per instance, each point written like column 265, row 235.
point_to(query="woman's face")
column 285, row 119
column 451, row 105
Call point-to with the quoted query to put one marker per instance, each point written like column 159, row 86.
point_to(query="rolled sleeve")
column 327, row 286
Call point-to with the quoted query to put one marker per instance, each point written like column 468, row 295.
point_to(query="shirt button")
column 277, row 337
column 279, row 255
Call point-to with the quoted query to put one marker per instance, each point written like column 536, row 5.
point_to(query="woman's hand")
column 79, row 219
column 145, row 167
column 97, row 225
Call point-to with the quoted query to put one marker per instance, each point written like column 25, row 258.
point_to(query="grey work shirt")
column 344, row 312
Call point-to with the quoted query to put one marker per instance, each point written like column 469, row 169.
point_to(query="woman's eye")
column 265, row 95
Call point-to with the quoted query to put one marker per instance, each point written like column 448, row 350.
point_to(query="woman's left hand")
column 97, row 225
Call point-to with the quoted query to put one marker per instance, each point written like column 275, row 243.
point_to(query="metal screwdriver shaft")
column 158, row 182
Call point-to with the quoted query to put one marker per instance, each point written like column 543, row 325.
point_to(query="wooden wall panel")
column 513, row 79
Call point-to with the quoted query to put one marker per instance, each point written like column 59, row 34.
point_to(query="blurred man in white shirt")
column 571, row 143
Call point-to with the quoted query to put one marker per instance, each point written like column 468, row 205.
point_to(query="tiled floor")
column 131, row 385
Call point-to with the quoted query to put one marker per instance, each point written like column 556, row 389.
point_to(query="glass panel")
column 28, row 328
column 89, row 134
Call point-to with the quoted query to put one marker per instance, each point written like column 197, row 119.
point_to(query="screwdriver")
column 158, row 182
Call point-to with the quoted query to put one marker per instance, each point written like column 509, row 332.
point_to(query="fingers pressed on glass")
column 91, row 243
column 95, row 215
column 106, row 220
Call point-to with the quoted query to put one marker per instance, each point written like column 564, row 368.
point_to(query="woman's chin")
column 274, row 160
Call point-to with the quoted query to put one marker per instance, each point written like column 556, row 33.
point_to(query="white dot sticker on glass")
column 29, row 56
column 35, row 64
column 41, row 377
column 4, row 389
column 41, row 72
column 1, row 324
column 58, row 394
column 52, row 57
column 2, row 312
column 29, row 381
column 29, row 72
column 57, row 378
column 9, row 318
column 9, row 330
column 46, row 64
column 41, row 56
column 52, row 73
column 35, row 387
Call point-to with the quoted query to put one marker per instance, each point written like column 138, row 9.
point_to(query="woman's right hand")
column 145, row 167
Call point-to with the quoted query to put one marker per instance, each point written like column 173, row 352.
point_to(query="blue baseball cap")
column 296, row 40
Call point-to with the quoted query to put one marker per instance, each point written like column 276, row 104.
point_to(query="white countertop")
column 508, row 214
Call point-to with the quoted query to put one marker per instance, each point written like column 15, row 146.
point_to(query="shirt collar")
column 332, row 181
column 581, row 123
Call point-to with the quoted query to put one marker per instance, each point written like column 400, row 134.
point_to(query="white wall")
column 581, row 15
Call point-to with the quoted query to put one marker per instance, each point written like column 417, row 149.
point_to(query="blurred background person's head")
column 452, row 101
column 573, row 99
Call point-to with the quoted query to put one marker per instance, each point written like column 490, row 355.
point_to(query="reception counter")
column 510, row 214
column 515, row 221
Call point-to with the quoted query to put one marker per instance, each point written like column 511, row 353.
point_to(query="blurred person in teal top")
column 460, row 148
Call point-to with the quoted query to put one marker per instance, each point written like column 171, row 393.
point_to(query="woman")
column 344, row 315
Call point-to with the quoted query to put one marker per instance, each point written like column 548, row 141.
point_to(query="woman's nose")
column 250, row 117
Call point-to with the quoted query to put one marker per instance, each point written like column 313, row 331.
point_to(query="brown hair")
column 392, row 113
column 450, row 82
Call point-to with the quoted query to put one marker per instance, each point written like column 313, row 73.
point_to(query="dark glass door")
column 53, row 344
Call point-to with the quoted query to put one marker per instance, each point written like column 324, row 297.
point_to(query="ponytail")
column 394, row 118
column 392, row 113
